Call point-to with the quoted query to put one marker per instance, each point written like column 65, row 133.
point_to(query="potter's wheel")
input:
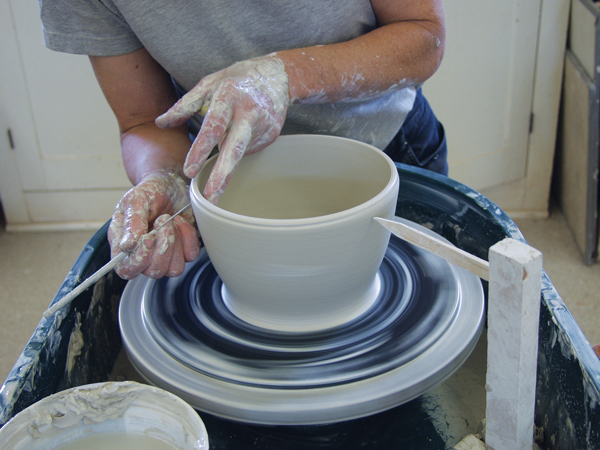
column 179, row 335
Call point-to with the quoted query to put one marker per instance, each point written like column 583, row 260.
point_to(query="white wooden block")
column 513, row 319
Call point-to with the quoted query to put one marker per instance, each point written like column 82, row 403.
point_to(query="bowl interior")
column 302, row 177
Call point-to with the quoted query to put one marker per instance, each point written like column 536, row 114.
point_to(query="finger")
column 163, row 248
column 231, row 152
column 138, row 260
column 115, row 231
column 187, row 216
column 187, row 106
column 135, row 224
column 213, row 129
column 262, row 140
column 177, row 264
column 189, row 239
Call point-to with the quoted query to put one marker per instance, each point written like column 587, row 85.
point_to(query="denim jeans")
column 421, row 140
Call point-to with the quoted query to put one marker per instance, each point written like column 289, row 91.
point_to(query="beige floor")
column 33, row 266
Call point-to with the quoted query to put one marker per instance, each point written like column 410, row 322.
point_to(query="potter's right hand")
column 152, row 202
column 248, row 104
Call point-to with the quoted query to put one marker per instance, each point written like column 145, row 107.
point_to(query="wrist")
column 171, row 174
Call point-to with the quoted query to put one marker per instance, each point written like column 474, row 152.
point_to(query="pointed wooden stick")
column 438, row 247
column 100, row 273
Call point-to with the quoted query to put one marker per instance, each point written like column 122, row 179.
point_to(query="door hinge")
column 11, row 142
column 531, row 123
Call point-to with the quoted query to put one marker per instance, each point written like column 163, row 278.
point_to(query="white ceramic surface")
column 136, row 413
column 293, row 238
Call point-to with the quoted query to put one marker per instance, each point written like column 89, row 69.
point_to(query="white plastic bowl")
column 292, row 237
column 107, row 415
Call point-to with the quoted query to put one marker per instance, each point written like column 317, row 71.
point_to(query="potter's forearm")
column 148, row 149
column 138, row 89
column 394, row 56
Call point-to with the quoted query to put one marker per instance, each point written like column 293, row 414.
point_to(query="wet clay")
column 293, row 236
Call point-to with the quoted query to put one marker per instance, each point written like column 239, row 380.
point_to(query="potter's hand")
column 248, row 104
column 151, row 202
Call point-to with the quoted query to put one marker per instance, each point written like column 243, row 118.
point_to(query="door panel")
column 76, row 131
column 483, row 91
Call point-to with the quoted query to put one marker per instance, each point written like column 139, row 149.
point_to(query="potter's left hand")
column 151, row 202
column 248, row 104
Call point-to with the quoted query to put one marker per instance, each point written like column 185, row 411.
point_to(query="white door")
column 483, row 90
column 62, row 141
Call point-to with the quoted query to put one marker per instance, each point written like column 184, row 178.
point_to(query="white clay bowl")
column 293, row 237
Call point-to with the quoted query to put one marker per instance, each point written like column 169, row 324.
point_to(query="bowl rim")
column 198, row 199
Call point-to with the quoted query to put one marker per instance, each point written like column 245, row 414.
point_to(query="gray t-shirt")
column 194, row 38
